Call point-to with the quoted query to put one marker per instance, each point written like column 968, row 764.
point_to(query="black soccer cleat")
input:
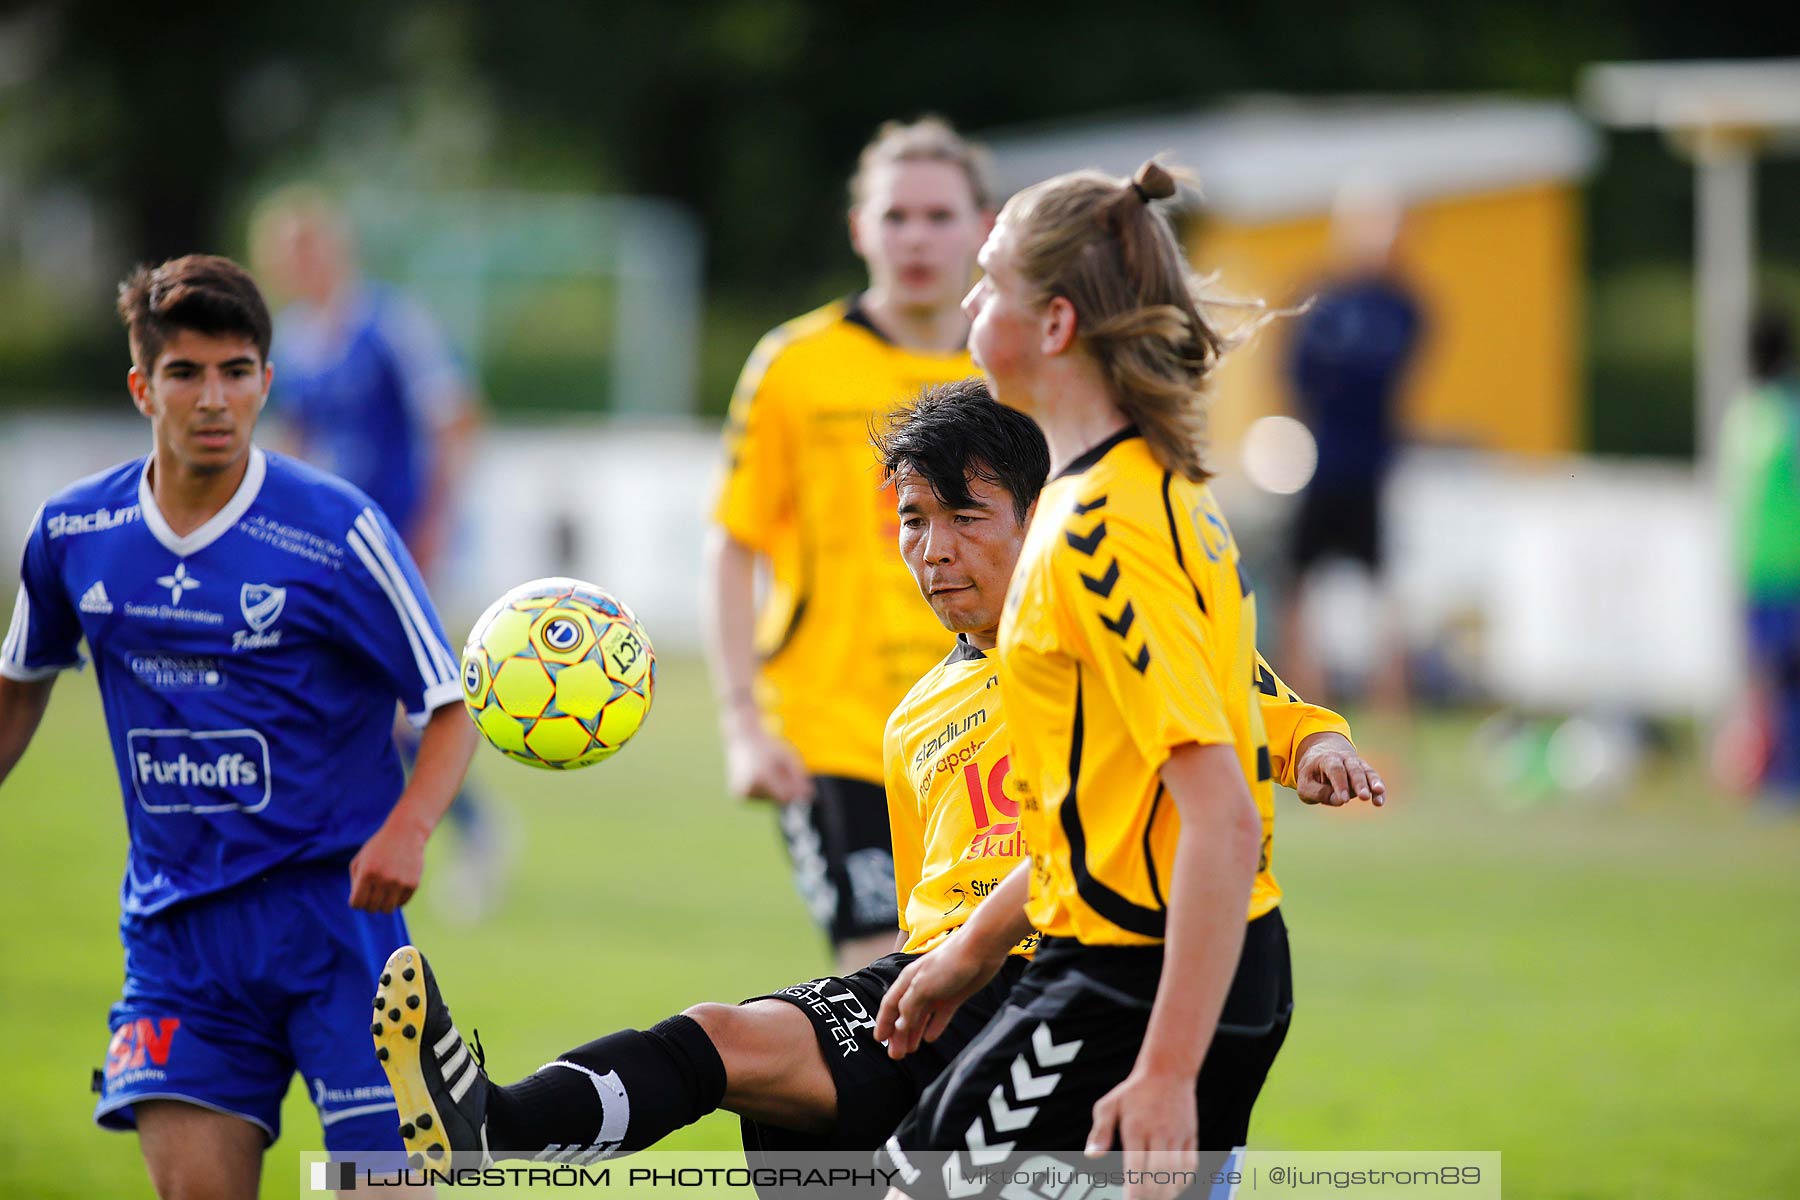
column 439, row 1081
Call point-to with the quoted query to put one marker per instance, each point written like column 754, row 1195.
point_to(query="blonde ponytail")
column 1101, row 244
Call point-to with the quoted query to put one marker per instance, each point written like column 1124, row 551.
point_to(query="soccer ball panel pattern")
column 558, row 674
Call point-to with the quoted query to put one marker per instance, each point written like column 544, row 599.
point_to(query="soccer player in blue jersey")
column 368, row 387
column 252, row 623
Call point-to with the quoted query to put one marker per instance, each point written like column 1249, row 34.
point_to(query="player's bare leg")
column 194, row 1153
column 774, row 1071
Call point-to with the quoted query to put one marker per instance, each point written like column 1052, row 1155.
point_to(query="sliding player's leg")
column 628, row 1090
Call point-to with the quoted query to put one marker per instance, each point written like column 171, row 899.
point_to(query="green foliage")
column 751, row 113
column 1641, row 361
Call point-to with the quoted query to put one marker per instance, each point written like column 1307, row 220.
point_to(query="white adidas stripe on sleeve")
column 427, row 668
column 377, row 539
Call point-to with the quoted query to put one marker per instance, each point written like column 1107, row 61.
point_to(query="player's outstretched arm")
column 919, row 1006
column 1152, row 1113
column 1329, row 771
column 22, row 704
column 1310, row 747
column 385, row 872
column 758, row 765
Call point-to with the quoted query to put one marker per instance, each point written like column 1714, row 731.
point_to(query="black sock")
column 653, row 1082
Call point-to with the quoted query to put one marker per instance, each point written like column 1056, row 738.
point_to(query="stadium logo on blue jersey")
column 200, row 771
column 70, row 524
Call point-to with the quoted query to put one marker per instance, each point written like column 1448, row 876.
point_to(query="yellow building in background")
column 1491, row 243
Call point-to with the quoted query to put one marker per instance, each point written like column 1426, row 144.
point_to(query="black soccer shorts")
column 1342, row 524
column 1021, row 1096
column 873, row 1091
column 842, row 856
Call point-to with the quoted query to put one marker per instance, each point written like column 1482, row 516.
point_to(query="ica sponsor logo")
column 200, row 771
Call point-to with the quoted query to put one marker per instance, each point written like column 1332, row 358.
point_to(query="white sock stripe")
column 427, row 670
column 461, row 1087
column 615, row 1104
column 455, row 1062
column 378, row 542
column 444, row 1043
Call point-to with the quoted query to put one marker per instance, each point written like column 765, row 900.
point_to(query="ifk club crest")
column 261, row 604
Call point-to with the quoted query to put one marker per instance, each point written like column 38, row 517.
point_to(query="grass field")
column 1608, row 995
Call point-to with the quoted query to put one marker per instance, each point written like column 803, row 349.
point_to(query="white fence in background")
column 1590, row 582
column 1581, row 582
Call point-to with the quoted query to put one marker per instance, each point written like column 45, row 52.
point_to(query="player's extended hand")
column 386, row 871
column 1331, row 772
column 933, row 986
column 761, row 766
column 1153, row 1118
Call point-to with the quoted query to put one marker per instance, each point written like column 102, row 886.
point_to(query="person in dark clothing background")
column 1349, row 360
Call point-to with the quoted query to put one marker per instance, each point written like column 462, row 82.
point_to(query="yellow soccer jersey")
column 955, row 830
column 844, row 632
column 1130, row 630
column 947, row 763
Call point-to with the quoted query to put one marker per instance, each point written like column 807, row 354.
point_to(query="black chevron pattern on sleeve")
column 1120, row 625
column 1103, row 585
column 1090, row 542
column 1266, row 683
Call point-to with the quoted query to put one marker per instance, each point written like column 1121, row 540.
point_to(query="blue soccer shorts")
column 228, row 995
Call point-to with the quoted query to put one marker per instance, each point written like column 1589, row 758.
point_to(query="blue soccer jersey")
column 249, row 669
column 365, row 389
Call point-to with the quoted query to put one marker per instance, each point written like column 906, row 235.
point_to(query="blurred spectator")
column 1759, row 471
column 367, row 387
column 1348, row 360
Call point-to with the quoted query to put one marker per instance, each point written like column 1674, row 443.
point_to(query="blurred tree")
column 169, row 118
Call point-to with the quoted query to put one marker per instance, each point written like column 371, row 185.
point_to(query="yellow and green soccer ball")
column 558, row 674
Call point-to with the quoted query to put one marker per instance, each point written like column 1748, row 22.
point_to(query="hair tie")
column 1141, row 193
